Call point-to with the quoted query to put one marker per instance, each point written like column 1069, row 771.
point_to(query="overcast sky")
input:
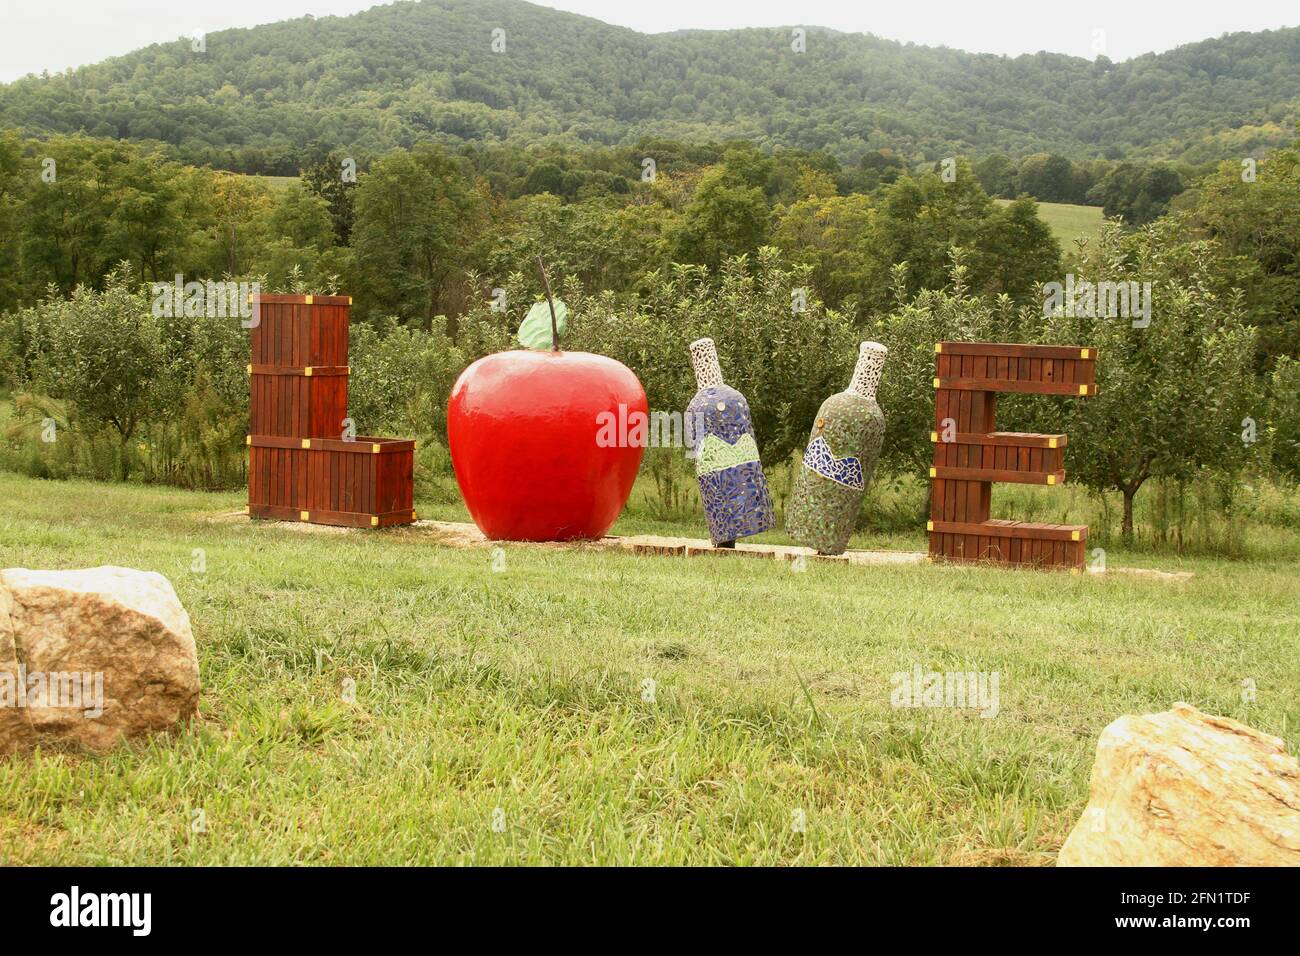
column 53, row 35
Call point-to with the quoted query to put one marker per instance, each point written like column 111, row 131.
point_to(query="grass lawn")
column 505, row 717
column 1068, row 221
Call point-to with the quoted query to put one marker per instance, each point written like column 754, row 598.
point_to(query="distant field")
column 278, row 182
column 1068, row 222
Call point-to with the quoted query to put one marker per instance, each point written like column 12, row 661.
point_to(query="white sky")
column 53, row 35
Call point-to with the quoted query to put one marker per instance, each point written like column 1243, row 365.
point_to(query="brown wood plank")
column 1022, row 530
column 974, row 477
column 282, row 474
column 1025, row 439
column 1013, row 350
column 279, row 299
column 317, row 371
column 1034, row 386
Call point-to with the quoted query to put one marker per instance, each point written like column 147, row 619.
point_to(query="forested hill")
column 395, row 75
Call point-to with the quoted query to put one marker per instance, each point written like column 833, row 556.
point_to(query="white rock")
column 1183, row 788
column 75, row 643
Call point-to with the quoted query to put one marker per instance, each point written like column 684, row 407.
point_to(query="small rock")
column 1183, row 788
column 92, row 656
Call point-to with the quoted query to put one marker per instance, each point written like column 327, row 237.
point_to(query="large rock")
column 75, row 643
column 1185, row 788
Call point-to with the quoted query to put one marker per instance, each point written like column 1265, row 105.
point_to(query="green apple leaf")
column 535, row 333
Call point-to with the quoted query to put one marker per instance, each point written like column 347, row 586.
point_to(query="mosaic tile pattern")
column 846, row 471
column 736, row 502
column 822, row 512
column 735, row 498
column 841, row 455
column 704, row 362
column 715, row 454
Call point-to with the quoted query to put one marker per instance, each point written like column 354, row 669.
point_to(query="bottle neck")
column 704, row 361
column 866, row 375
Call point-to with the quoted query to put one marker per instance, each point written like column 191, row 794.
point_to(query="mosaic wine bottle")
column 838, row 462
column 721, row 434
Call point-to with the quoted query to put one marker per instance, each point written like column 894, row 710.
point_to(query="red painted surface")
column 522, row 429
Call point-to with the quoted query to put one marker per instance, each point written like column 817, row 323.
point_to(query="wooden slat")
column 1026, row 439
column 276, row 299
column 1032, row 476
column 349, row 519
column 317, row 371
column 1014, row 529
column 1013, row 350
column 298, row 462
column 1035, row 386
column 362, row 445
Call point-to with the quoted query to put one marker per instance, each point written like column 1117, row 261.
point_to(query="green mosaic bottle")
column 838, row 462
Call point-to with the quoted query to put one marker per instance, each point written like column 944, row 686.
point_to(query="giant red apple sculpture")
column 525, row 432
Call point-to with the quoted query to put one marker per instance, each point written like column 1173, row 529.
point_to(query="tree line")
column 788, row 257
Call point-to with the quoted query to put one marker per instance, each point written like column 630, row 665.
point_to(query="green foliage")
column 328, row 174
column 401, row 378
column 785, row 362
column 1282, row 425
column 417, row 213
column 906, row 393
column 1015, row 252
column 11, row 165
column 824, row 235
column 602, row 243
column 726, row 217
column 302, row 219
column 1051, row 178
column 162, row 396
column 103, row 352
column 997, row 174
column 84, row 205
column 1138, row 194
column 1171, row 397
column 1259, row 220
column 423, row 221
column 918, row 220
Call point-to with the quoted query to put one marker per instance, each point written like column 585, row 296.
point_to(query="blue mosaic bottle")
column 721, row 436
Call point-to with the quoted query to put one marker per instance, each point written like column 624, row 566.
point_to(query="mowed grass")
column 278, row 182
column 505, row 717
column 1069, row 222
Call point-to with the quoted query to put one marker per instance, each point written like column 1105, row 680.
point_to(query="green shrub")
column 1282, row 427
column 133, row 394
column 401, row 378
column 907, row 385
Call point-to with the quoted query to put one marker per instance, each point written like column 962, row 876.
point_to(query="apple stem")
column 555, row 329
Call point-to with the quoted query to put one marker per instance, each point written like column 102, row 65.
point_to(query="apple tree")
column 1172, row 393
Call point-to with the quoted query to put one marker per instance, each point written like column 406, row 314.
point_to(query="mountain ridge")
column 395, row 75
